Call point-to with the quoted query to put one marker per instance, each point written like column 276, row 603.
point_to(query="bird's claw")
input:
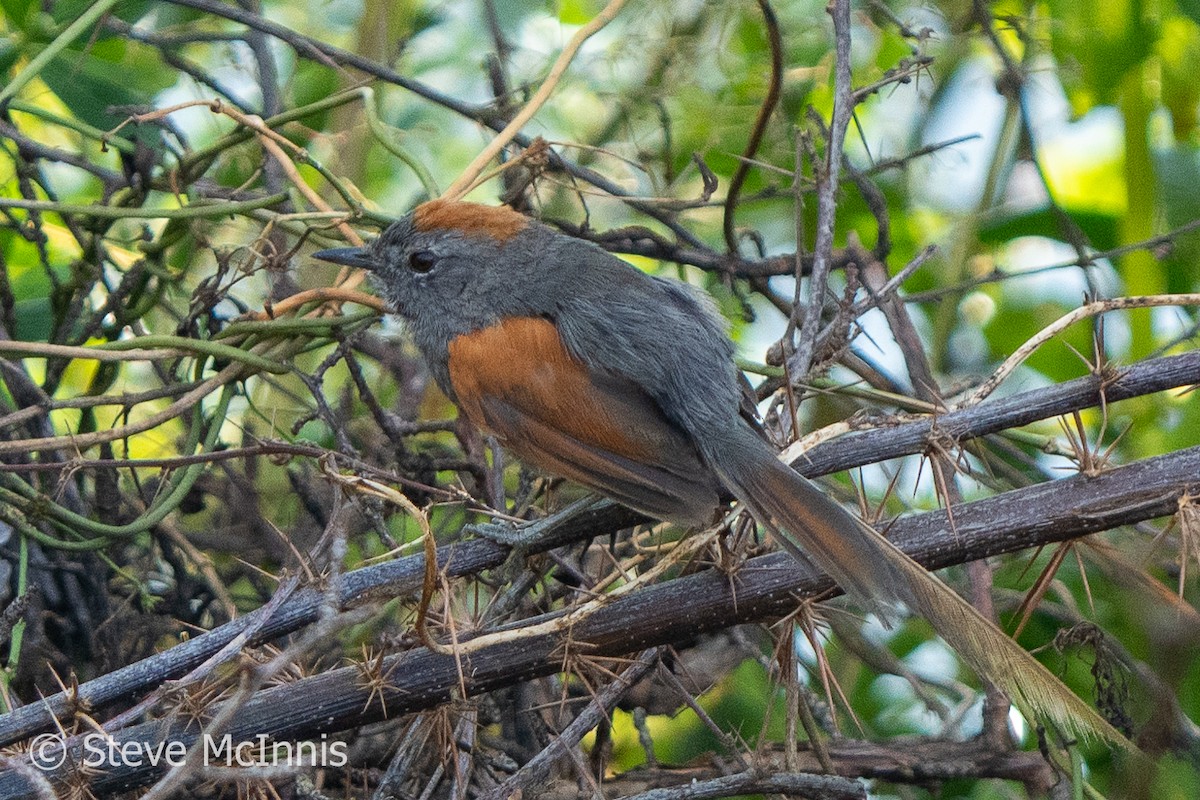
column 525, row 537
column 500, row 531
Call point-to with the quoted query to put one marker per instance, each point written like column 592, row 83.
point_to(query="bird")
column 624, row 382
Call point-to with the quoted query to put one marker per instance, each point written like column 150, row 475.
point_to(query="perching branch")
column 764, row 587
column 472, row 557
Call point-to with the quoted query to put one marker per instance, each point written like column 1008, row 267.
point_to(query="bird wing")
column 517, row 380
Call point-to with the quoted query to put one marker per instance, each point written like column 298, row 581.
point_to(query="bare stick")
column 464, row 182
column 1067, row 320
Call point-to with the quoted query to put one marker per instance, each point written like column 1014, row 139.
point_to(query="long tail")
column 869, row 567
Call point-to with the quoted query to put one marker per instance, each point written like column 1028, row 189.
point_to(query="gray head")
column 447, row 268
column 436, row 259
column 451, row 268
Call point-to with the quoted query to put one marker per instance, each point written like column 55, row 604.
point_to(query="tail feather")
column 869, row 567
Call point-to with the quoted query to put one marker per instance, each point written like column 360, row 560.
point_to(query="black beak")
column 348, row 256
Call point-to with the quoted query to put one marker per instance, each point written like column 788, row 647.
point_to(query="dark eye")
column 422, row 261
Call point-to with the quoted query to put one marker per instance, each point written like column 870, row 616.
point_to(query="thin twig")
column 827, row 180
column 1062, row 323
column 462, row 185
column 538, row 768
column 774, row 87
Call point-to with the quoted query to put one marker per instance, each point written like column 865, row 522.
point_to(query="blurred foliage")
column 1027, row 142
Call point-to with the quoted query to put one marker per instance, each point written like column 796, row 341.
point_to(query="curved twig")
column 760, row 124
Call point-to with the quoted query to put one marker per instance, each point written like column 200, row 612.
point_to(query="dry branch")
column 765, row 587
column 472, row 557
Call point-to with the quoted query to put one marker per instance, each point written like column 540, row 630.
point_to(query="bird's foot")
column 501, row 531
column 528, row 537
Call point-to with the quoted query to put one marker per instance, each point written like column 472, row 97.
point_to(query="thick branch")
column 1145, row 377
column 471, row 557
column 765, row 587
column 909, row 761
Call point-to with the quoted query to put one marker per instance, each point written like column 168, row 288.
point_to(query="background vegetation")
column 197, row 432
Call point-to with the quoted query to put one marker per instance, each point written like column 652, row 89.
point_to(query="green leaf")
column 19, row 13
column 1190, row 9
column 1099, row 227
column 1177, row 172
column 9, row 53
column 313, row 82
column 1097, row 42
column 109, row 73
column 575, row 12
column 35, row 319
column 66, row 11
column 1179, row 58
